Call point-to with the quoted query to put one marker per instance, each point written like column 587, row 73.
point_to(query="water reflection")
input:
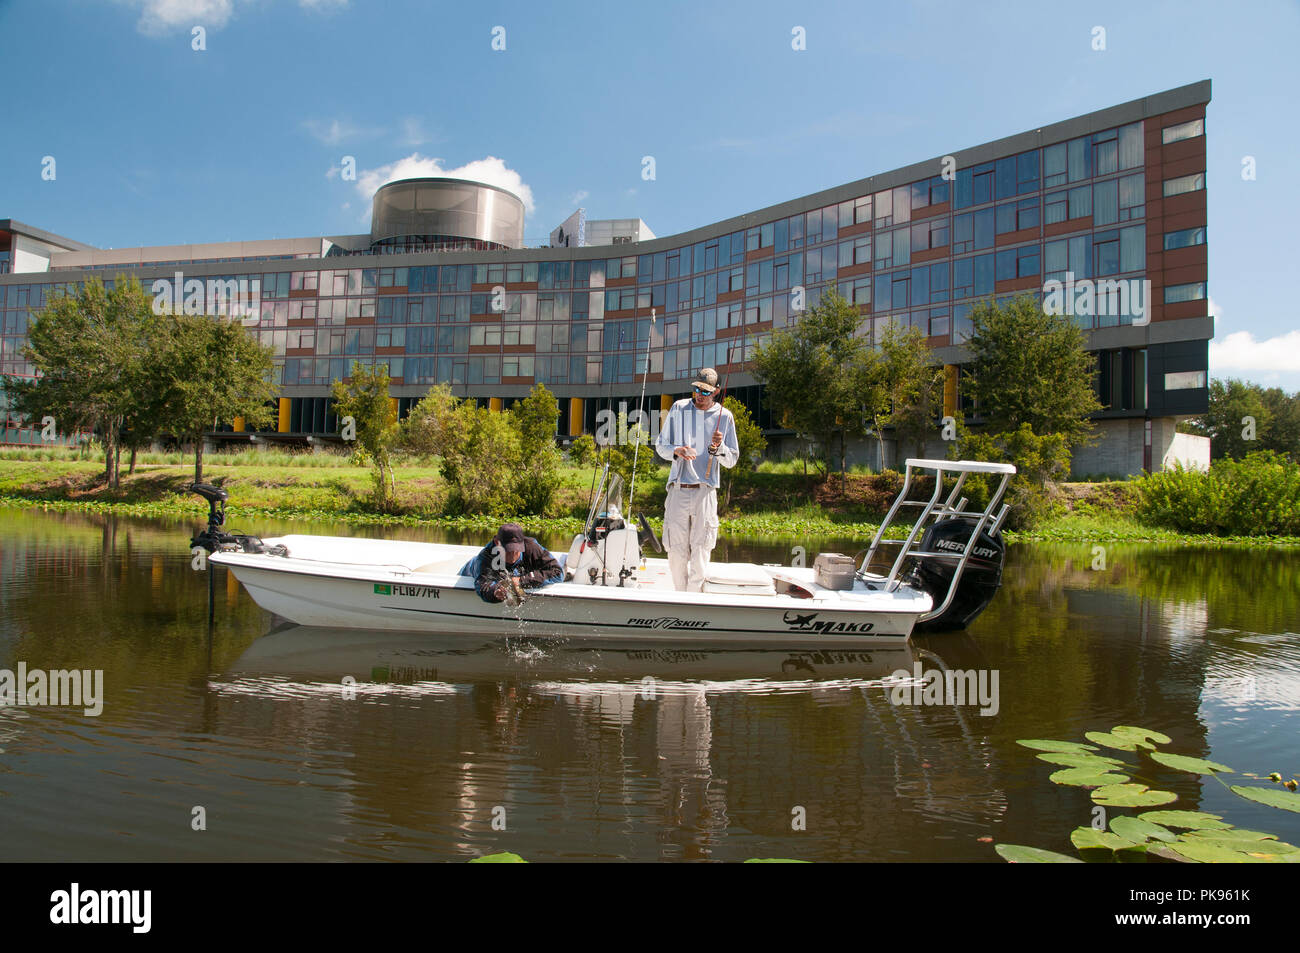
column 317, row 744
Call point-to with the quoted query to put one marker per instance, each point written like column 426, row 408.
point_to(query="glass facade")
column 918, row 254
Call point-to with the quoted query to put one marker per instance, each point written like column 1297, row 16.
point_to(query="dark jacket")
column 535, row 568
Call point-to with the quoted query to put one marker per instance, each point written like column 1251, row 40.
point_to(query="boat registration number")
column 399, row 589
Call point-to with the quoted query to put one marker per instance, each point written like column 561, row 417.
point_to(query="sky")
column 161, row 136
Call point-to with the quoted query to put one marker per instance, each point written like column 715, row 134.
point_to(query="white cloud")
column 332, row 132
column 490, row 170
column 1270, row 362
column 1242, row 351
column 578, row 196
column 159, row 17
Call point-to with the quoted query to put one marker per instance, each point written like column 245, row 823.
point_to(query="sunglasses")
column 700, row 391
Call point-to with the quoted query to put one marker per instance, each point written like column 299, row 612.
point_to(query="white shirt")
column 688, row 426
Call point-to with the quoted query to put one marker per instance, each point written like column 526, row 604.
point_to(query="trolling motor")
column 214, row 539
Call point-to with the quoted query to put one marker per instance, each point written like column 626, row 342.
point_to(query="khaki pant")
column 690, row 532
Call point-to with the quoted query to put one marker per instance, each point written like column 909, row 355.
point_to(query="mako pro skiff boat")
column 943, row 574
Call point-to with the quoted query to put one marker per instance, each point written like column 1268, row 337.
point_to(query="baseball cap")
column 511, row 537
column 707, row 379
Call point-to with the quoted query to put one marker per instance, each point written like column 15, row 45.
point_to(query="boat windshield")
column 614, row 498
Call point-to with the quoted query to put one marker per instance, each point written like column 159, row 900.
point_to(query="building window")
column 1132, row 197
column 1058, row 206
column 1185, row 380
column 1184, row 130
column 1081, row 202
column 1184, row 183
column 1184, row 238
column 1195, row 291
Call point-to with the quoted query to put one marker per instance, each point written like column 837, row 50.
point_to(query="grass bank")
column 779, row 503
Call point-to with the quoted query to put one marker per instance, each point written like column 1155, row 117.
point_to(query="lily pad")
column 1141, row 734
column 1088, row 837
column 1017, row 854
column 1131, row 795
column 503, row 858
column 1235, row 833
column 1191, row 765
column 1213, row 853
column 1045, row 744
column 1136, row 829
column 1196, row 820
column 1087, row 777
column 1118, row 742
column 1273, row 797
column 1076, row 760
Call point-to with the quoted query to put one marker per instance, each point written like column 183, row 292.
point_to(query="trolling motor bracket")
column 214, row 539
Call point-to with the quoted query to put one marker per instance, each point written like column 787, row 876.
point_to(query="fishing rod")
column 631, row 492
column 708, row 467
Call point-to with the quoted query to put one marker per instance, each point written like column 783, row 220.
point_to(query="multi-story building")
column 441, row 289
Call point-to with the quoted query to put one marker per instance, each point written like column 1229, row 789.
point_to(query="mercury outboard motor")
column 979, row 581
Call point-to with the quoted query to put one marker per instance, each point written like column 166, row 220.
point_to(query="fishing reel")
column 214, row 539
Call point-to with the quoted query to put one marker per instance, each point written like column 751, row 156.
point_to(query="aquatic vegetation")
column 1204, row 837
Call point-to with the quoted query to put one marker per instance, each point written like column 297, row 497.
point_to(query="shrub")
column 582, row 452
column 1257, row 496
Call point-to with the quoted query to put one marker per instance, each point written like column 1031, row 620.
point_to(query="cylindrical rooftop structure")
column 438, row 210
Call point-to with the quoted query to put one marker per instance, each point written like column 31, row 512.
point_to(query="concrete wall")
column 1191, row 451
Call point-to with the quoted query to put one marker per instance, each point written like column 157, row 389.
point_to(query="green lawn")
column 778, row 503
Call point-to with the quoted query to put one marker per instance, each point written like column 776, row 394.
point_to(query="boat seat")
column 739, row 579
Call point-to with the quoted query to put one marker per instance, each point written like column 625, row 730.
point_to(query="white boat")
column 945, row 572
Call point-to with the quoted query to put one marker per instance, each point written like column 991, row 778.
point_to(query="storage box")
column 834, row 570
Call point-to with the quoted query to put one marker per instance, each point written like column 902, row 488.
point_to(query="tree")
column 216, row 371
column 752, row 443
column 365, row 399
column 818, row 375
column 1244, row 417
column 538, row 477
column 912, row 388
column 429, row 430
column 480, row 463
column 1283, row 433
column 1028, row 367
column 89, row 349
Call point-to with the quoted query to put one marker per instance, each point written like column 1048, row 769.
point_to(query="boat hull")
column 319, row 592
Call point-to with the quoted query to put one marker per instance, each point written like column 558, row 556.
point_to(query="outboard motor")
column 980, row 579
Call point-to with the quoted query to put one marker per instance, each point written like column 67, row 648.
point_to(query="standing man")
column 697, row 430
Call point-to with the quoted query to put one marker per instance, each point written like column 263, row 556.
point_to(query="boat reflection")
column 293, row 658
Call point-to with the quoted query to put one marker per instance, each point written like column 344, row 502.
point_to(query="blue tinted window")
column 964, row 195
column 1005, row 174
column 983, row 274
column 1006, row 264
column 963, row 277
column 1185, row 238
column 1027, row 172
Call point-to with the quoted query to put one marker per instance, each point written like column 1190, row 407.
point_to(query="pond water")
column 296, row 744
